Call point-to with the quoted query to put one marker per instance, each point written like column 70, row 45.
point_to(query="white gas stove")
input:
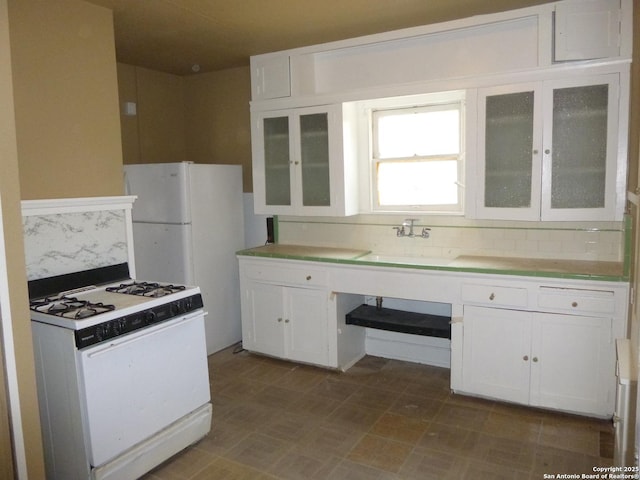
column 100, row 312
column 105, row 345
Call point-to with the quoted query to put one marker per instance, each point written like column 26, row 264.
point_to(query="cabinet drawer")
column 287, row 275
column 494, row 295
column 576, row 300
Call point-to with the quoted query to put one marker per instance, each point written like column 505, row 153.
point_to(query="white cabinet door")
column 571, row 363
column 272, row 152
column 299, row 162
column 549, row 150
column 563, row 362
column 263, row 319
column 270, row 77
column 306, row 335
column 587, row 29
column 509, row 156
column 495, row 353
column 286, row 322
column 580, row 148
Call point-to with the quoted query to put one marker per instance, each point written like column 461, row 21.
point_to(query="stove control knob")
column 118, row 327
column 188, row 305
column 175, row 307
column 149, row 316
column 103, row 331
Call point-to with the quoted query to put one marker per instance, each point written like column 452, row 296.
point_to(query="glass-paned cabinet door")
column 277, row 171
column 298, row 162
column 508, row 152
column 314, row 159
column 580, row 148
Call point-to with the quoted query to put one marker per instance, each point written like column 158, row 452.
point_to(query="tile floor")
column 382, row 419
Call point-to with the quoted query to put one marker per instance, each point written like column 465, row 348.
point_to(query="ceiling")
column 174, row 35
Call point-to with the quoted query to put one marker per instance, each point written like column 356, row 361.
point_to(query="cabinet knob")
column 535, row 151
column 547, row 151
column 535, row 359
column 296, row 163
column 492, row 296
column 308, row 277
column 525, row 358
column 286, row 320
column 279, row 320
column 574, row 304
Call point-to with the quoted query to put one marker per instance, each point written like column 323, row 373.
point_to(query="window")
column 416, row 154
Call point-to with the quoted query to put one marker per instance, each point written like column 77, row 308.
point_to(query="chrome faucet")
column 409, row 222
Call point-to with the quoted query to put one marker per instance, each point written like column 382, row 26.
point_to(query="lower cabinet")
column 550, row 360
column 548, row 344
column 286, row 322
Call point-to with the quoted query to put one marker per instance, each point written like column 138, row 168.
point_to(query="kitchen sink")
column 404, row 260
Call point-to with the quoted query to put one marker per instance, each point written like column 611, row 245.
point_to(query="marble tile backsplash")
column 69, row 242
column 451, row 237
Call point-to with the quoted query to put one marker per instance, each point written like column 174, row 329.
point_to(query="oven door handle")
column 109, row 347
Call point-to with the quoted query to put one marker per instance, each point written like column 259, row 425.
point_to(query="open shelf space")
column 400, row 321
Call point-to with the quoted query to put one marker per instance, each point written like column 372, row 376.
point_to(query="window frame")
column 369, row 162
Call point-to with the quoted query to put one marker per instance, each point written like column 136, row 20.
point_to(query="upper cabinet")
column 587, row 29
column 551, row 35
column 301, row 162
column 549, row 144
column 270, row 77
column 549, row 150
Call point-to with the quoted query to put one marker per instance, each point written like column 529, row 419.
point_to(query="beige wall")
column 64, row 141
column 200, row 118
column 634, row 120
column 66, row 99
column 15, row 326
column 160, row 116
column 156, row 133
column 128, row 92
column 217, row 119
column 634, row 159
column 8, row 157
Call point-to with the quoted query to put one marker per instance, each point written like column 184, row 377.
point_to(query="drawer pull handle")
column 574, row 304
column 308, row 277
column 492, row 296
column 535, row 359
column 525, row 358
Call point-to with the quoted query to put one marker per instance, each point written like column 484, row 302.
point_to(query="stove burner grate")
column 146, row 289
column 69, row 307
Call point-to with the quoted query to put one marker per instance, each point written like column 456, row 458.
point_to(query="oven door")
column 137, row 385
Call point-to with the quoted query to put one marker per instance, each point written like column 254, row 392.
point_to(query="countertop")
column 543, row 267
column 304, row 252
column 536, row 267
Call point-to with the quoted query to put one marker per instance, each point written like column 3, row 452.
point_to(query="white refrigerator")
column 187, row 226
